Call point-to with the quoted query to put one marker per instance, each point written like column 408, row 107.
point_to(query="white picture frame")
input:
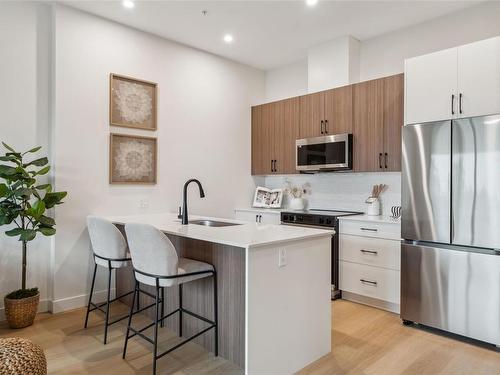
column 267, row 198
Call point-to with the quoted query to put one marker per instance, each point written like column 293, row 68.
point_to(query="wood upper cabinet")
column 337, row 113
column 311, row 115
column 393, row 121
column 275, row 127
column 372, row 111
column 368, row 132
column 378, row 119
column 326, row 113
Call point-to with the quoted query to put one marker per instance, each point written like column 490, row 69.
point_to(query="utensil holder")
column 373, row 207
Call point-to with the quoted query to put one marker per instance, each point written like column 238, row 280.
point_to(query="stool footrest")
column 185, row 341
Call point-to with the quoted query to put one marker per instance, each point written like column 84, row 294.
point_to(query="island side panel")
column 229, row 263
column 289, row 307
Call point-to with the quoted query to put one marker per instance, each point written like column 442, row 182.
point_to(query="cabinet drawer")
column 370, row 251
column 368, row 229
column 374, row 282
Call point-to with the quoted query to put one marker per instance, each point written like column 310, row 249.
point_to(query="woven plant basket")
column 21, row 313
column 21, row 357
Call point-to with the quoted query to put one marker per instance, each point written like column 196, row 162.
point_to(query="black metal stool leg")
column 90, row 296
column 216, row 316
column 162, row 324
column 106, row 324
column 130, row 318
column 180, row 311
column 155, row 350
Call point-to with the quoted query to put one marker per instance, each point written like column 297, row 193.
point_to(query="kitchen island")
column 273, row 289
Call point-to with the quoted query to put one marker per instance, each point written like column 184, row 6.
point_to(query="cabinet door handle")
column 260, row 218
column 272, row 165
column 256, row 218
column 380, row 160
column 374, row 283
column 275, row 165
column 386, row 156
column 452, row 104
column 369, row 229
column 321, row 127
column 326, row 126
column 369, row 252
column 460, row 103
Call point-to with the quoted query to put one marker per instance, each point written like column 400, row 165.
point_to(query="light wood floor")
column 365, row 341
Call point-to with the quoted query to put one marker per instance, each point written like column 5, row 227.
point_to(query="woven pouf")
column 20, row 356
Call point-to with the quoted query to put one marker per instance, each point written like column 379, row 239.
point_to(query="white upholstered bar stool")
column 156, row 263
column 111, row 252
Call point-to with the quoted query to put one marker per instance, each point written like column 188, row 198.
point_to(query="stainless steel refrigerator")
column 450, row 270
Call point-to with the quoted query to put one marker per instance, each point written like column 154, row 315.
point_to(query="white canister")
column 373, row 207
column 297, row 204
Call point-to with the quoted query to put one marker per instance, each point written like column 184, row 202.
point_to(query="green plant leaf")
column 27, row 235
column 47, row 231
column 8, row 158
column 46, row 221
column 3, row 190
column 43, row 171
column 37, row 209
column 51, row 199
column 38, row 162
column 44, row 187
column 6, row 170
column 6, row 219
column 8, row 147
column 23, row 192
column 33, row 150
column 14, row 232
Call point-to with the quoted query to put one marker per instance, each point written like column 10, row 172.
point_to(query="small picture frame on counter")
column 267, row 198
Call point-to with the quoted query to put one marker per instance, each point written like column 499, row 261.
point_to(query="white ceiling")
column 268, row 34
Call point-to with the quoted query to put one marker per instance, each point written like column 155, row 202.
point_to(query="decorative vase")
column 21, row 312
column 297, row 204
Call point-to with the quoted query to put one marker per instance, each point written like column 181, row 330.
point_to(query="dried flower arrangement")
column 297, row 192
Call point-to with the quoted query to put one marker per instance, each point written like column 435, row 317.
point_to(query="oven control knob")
column 321, row 220
column 328, row 221
column 285, row 217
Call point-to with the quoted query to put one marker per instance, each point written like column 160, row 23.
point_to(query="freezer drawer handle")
column 374, row 283
column 369, row 229
column 369, row 252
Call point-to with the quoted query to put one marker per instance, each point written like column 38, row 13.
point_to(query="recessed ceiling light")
column 129, row 4
column 311, row 3
column 228, row 38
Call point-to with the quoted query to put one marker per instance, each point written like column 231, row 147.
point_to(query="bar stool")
column 156, row 263
column 110, row 251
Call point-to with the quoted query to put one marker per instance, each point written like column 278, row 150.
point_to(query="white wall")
column 385, row 55
column 24, row 105
column 284, row 82
column 203, row 131
column 343, row 191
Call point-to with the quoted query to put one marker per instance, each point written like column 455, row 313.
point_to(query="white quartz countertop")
column 263, row 209
column 246, row 235
column 372, row 219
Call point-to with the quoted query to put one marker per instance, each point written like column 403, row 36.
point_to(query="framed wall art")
column 132, row 159
column 132, row 102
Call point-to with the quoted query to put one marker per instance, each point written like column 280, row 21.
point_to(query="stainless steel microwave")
column 329, row 153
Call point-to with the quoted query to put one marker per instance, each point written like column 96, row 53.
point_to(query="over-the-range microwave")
column 328, row 153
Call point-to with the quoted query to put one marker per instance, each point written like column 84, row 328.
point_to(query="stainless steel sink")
column 212, row 223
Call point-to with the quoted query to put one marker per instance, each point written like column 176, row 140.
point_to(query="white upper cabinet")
column 430, row 87
column 453, row 83
column 479, row 78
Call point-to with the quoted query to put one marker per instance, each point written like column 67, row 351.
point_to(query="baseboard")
column 75, row 302
column 69, row 303
column 384, row 305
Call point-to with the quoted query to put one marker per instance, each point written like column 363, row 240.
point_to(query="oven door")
column 333, row 152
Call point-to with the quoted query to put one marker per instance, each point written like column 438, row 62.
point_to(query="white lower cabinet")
column 258, row 216
column 369, row 264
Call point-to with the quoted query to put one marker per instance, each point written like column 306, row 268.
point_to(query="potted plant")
column 23, row 206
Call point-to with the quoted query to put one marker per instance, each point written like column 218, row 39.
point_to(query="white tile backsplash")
column 343, row 191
